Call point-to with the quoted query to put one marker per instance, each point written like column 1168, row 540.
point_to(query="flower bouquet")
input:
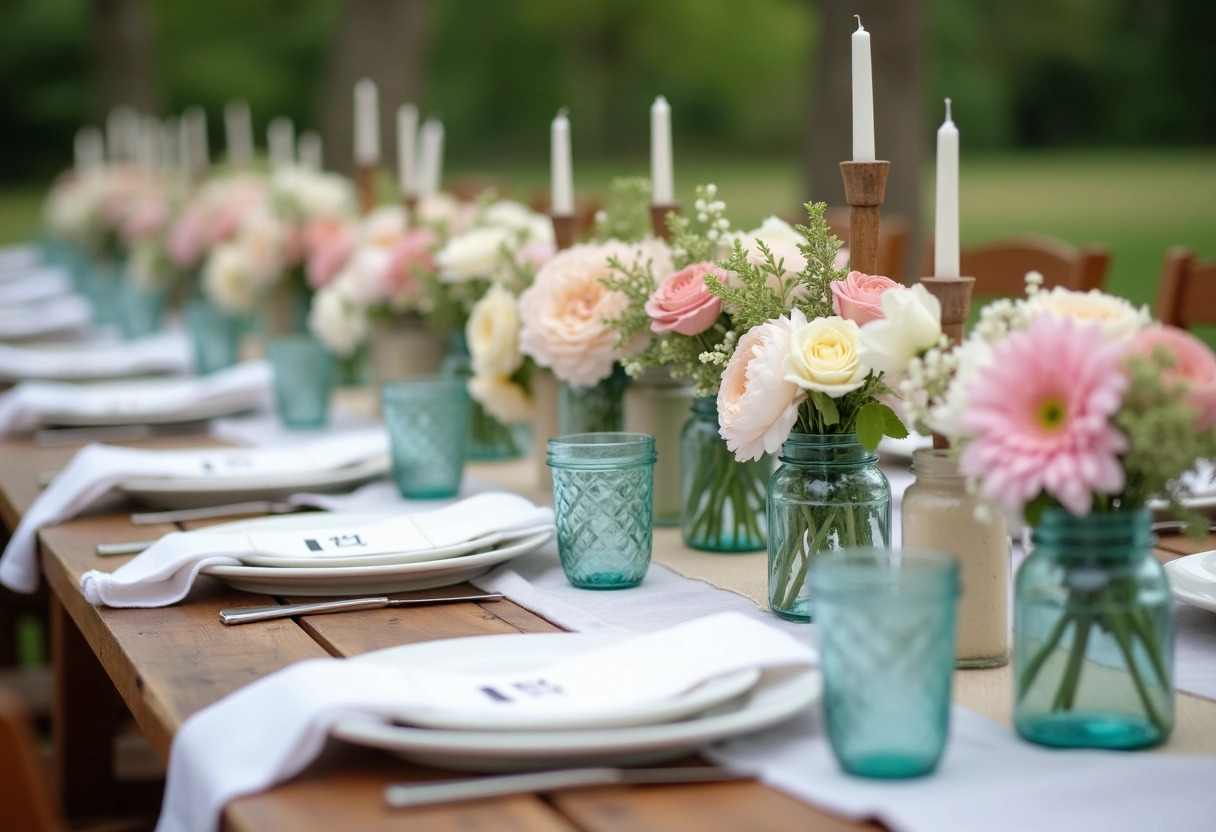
column 1072, row 410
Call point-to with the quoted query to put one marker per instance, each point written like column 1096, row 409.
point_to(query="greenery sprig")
column 626, row 212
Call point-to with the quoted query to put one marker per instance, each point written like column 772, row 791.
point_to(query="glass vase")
column 826, row 495
column 1093, row 634
column 596, row 409
column 656, row 404
column 488, row 438
column 723, row 499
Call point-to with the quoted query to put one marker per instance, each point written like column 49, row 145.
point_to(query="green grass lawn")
column 1136, row 202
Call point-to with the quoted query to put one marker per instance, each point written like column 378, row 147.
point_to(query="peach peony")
column 757, row 407
column 1194, row 366
column 682, row 302
column 858, row 297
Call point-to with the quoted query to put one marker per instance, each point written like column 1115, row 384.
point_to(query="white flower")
column 473, row 254
column 911, row 324
column 969, row 359
column 308, row 195
column 262, row 239
column 824, row 357
column 383, row 226
column 492, row 333
column 443, row 209
column 337, row 319
column 1118, row 318
column 363, row 278
column 782, row 240
column 226, row 279
column 502, row 398
column 514, row 216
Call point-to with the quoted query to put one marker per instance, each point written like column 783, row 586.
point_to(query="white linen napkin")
column 166, row 353
column 34, row 285
column 241, row 387
column 270, row 730
column 61, row 314
column 97, row 468
column 18, row 259
column 163, row 573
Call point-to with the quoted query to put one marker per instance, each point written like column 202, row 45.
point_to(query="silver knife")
column 244, row 615
column 50, row 437
column 399, row 796
column 182, row 515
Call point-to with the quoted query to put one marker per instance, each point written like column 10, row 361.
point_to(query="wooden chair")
column 1187, row 294
column 892, row 240
column 1000, row 268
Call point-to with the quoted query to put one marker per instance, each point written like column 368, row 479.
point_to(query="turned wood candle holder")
column 658, row 220
column 365, row 180
column 563, row 230
column 954, row 293
column 865, row 185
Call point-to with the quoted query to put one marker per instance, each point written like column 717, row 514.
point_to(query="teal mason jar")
column 1093, row 634
column 827, row 494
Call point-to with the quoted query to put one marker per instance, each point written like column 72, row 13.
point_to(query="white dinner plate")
column 777, row 696
column 129, row 410
column 1193, row 579
column 902, row 449
column 189, row 492
column 324, row 520
column 372, row 580
column 523, row 653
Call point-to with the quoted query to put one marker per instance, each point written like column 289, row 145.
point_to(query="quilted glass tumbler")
column 603, row 496
column 303, row 380
column 885, row 623
column 427, row 419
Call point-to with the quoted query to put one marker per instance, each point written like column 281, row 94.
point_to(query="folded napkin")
column 18, row 259
column 242, row 387
column 60, row 314
column 34, row 285
column 163, row 573
column 270, row 730
column 167, row 353
column 97, row 468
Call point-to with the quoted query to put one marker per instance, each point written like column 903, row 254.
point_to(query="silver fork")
column 183, row 515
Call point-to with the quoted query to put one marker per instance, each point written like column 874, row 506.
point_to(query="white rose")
column 782, row 240
column 383, row 226
column 824, row 357
column 338, row 320
column 312, row 195
column 1118, row 318
column 262, row 239
column 363, row 278
column 226, row 280
column 513, row 216
column 502, row 398
column 473, row 254
column 911, row 323
column 441, row 209
column 492, row 333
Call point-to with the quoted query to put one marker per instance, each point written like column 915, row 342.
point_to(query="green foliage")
column 626, row 212
column 856, row 412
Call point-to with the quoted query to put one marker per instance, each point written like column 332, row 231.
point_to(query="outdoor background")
column 1089, row 120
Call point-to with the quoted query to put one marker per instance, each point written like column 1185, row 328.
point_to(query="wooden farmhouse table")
column 167, row 663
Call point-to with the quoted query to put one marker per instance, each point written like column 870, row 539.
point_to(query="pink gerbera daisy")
column 1039, row 417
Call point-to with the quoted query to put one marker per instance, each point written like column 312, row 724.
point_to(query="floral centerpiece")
column 1071, row 411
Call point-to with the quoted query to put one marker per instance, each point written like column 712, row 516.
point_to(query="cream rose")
column 473, row 254
column 911, row 324
column 226, row 280
column 823, row 357
column 502, row 398
column 383, row 226
column 263, row 241
column 337, row 319
column 513, row 216
column 492, row 333
column 757, row 407
column 1117, row 317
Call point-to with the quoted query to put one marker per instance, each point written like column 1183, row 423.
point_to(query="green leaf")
column 826, row 407
column 1033, row 511
column 870, row 424
column 892, row 426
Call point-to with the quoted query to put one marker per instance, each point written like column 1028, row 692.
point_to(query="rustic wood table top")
column 168, row 663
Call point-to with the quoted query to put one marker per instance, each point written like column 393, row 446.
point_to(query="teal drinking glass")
column 216, row 336
column 303, row 380
column 603, row 496
column 143, row 310
column 428, row 421
column 885, row 623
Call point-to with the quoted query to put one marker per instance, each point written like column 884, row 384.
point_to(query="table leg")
column 84, row 720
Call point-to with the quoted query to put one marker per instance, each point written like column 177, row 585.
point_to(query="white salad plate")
column 191, row 492
column 132, row 402
column 372, row 580
column 775, row 697
column 1193, row 579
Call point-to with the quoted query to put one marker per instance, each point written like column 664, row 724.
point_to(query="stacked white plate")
column 1193, row 579
column 729, row 706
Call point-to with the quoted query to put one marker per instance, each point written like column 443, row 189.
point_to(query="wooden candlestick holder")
column 658, row 220
column 410, row 201
column 365, row 180
column 954, row 293
column 865, row 185
column 564, row 230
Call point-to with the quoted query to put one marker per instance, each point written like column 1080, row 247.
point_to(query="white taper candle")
column 863, row 97
column 281, row 142
column 238, row 132
column 430, row 168
column 407, row 149
column 945, row 223
column 661, row 175
column 561, row 175
column 310, row 151
column 367, row 123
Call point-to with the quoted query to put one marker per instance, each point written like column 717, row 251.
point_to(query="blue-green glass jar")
column 215, row 334
column 827, row 494
column 1093, row 634
column 143, row 310
column 489, row 439
column 595, row 409
column 303, row 380
column 603, row 499
column 427, row 418
column 722, row 500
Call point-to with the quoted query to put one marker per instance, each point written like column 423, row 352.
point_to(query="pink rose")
column 329, row 246
column 413, row 253
column 1194, row 365
column 682, row 302
column 186, row 242
column 535, row 253
column 858, row 297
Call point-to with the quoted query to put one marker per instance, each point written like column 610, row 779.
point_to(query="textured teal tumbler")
column 603, row 497
column 885, row 623
column 216, row 336
column 303, row 380
column 143, row 310
column 428, row 421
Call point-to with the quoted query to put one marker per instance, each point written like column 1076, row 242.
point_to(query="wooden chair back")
column 1187, row 294
column 26, row 803
column 893, row 236
column 1000, row 268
